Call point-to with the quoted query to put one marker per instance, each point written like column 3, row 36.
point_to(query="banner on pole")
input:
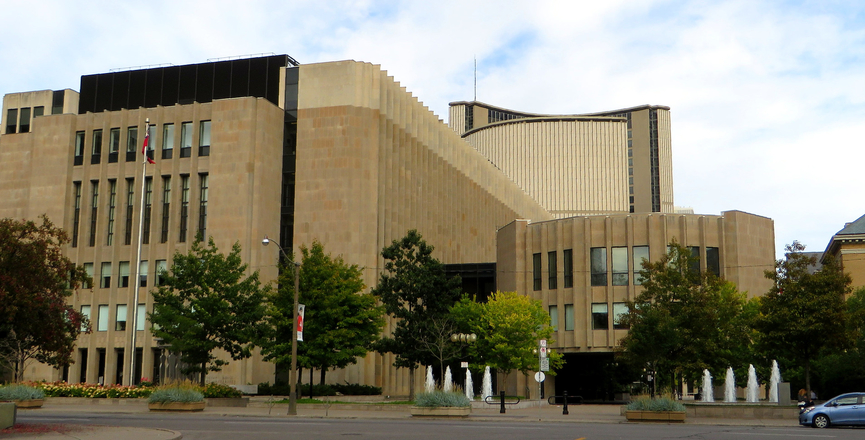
column 300, row 309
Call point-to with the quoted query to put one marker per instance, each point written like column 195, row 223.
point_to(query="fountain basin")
column 767, row 410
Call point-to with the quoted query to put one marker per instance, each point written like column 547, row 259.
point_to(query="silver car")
column 846, row 409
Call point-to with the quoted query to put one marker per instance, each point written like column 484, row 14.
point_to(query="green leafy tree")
column 414, row 290
column 509, row 327
column 206, row 301
column 843, row 371
column 804, row 313
column 36, row 323
column 340, row 324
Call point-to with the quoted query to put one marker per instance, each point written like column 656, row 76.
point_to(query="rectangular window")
column 536, row 271
column 553, row 270
column 695, row 263
column 131, row 143
column 76, row 216
column 142, row 274
column 94, row 204
column 79, row 148
column 554, row 317
column 166, row 207
column 24, row 122
column 140, row 317
column 204, row 138
column 569, row 317
column 621, row 269
column 38, row 111
column 568, row 263
column 167, row 140
column 105, row 274
column 202, row 208
column 124, row 274
column 112, row 207
column 184, row 207
column 600, row 317
column 149, row 149
column 85, row 313
column 161, row 268
column 96, row 151
column 713, row 261
column 88, row 269
column 619, row 311
column 11, row 120
column 102, row 323
column 186, row 139
column 113, row 145
column 641, row 253
column 130, row 201
column 120, row 318
column 148, row 206
column 598, row 258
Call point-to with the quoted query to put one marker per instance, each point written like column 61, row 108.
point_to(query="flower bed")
column 63, row 389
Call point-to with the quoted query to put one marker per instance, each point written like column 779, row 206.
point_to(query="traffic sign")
column 543, row 352
column 543, row 343
column 539, row 377
column 545, row 364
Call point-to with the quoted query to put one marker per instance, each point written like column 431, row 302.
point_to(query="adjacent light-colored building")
column 848, row 247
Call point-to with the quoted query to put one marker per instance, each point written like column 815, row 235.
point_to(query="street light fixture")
column 292, row 375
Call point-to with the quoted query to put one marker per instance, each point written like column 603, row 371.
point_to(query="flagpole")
column 136, row 281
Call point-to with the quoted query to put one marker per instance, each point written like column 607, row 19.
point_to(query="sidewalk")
column 261, row 408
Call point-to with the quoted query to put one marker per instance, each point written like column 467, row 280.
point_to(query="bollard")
column 565, row 407
column 502, row 411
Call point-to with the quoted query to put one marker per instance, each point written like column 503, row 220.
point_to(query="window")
column 620, row 266
column 105, row 273
column 94, row 203
column 619, row 311
column 112, row 202
column 598, row 258
column 148, row 204
column 85, row 314
column 167, row 140
column 568, row 262
column 713, row 261
column 600, row 316
column 640, row 253
column 38, row 111
column 149, row 136
column 57, row 102
column 569, row 317
column 11, row 120
column 140, row 317
column 88, row 269
column 131, row 143
column 166, row 207
column 113, row 144
column 186, row 139
column 142, row 274
column 536, row 271
column 120, row 318
column 79, row 148
column 553, row 270
column 24, row 122
column 76, row 217
column 130, row 201
column 124, row 274
column 96, row 152
column 161, row 268
column 204, row 138
column 184, row 207
column 102, row 323
column 554, row 317
column 695, row 254
column 202, row 208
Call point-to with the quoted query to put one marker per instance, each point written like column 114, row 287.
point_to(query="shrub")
column 212, row 390
column 180, row 392
column 440, row 398
column 63, row 389
column 347, row 389
column 659, row 404
column 21, row 392
column 353, row 389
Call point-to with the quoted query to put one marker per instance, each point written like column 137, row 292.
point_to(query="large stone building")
column 848, row 247
column 341, row 153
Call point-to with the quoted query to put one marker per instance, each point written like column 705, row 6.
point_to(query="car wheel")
column 820, row 421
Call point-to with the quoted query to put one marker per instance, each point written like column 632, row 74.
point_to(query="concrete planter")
column 7, row 414
column 177, row 406
column 29, row 403
column 655, row 416
column 441, row 411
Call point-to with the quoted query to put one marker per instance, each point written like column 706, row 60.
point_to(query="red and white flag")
column 144, row 147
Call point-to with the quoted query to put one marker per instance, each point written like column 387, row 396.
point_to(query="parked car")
column 846, row 409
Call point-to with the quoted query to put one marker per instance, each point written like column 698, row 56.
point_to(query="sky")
column 767, row 98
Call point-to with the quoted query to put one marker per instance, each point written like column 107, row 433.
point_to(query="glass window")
column 140, row 317
column 186, row 139
column 554, row 317
column 166, row 207
column 38, row 111
column 536, row 271
column 202, row 208
column 130, row 201
column 112, row 206
column 184, row 207
column 148, row 208
column 79, row 148
column 568, row 263
column 619, row 310
column 167, row 140
column 142, row 274
column 553, row 270
column 96, row 151
column 114, row 140
column 620, row 266
column 94, row 210
column 11, row 120
column 204, row 138
column 569, row 317
column 599, row 266
column 600, row 316
column 713, row 261
column 640, row 253
column 161, row 268
column 85, row 314
column 88, row 269
column 124, row 274
column 105, row 273
column 131, row 143
column 120, row 318
column 76, row 216
column 695, row 263
column 24, row 122
column 102, row 323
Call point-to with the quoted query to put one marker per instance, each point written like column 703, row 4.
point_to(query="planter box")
column 30, row 403
column 177, row 406
column 7, row 414
column 655, row 416
column 442, row 411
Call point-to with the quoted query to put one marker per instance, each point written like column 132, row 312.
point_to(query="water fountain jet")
column 487, row 384
column 449, row 381
column 430, row 384
column 470, row 387
column 774, row 380
column 730, row 386
column 708, row 391
column 751, row 392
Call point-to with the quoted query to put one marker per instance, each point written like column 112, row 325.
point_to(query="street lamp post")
column 292, row 375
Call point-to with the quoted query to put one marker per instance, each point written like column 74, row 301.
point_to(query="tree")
column 206, row 302
column 804, row 313
column 414, row 290
column 684, row 321
column 340, row 323
column 36, row 323
column 508, row 327
column 845, row 370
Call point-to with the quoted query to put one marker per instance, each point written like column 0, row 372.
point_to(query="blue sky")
column 767, row 97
